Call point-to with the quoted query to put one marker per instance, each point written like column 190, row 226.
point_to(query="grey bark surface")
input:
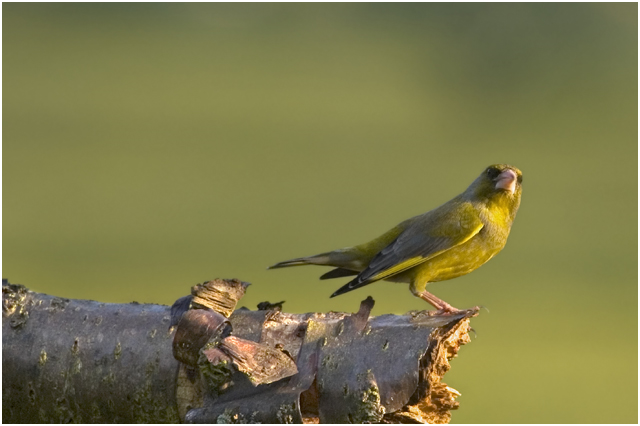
column 81, row 361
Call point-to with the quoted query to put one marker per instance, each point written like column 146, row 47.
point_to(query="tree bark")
column 68, row 360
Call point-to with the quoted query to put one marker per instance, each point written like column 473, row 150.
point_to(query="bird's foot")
column 443, row 308
column 447, row 310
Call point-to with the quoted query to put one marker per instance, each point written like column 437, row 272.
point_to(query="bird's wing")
column 440, row 230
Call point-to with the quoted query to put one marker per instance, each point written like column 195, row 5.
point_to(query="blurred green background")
column 149, row 147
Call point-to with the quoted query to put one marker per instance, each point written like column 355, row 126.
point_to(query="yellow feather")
column 402, row 266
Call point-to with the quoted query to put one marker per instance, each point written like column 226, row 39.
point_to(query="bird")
column 447, row 242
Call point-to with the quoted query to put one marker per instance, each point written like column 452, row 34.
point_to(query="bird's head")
column 499, row 184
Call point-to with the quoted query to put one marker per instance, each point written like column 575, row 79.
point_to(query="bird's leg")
column 439, row 304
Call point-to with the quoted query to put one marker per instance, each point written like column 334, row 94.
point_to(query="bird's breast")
column 459, row 260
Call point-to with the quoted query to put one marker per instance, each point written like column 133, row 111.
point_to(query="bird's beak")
column 507, row 180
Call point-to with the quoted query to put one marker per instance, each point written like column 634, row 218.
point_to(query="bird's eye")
column 520, row 179
column 492, row 173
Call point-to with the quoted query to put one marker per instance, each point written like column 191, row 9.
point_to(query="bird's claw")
column 447, row 310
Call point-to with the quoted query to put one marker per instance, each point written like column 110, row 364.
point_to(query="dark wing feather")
column 338, row 273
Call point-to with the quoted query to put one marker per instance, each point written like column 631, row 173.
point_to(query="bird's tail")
column 318, row 259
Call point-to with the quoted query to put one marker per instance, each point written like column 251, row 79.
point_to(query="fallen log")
column 201, row 361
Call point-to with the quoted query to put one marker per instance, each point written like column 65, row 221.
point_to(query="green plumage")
column 444, row 243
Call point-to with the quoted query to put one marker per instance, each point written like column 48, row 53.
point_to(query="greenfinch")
column 444, row 243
